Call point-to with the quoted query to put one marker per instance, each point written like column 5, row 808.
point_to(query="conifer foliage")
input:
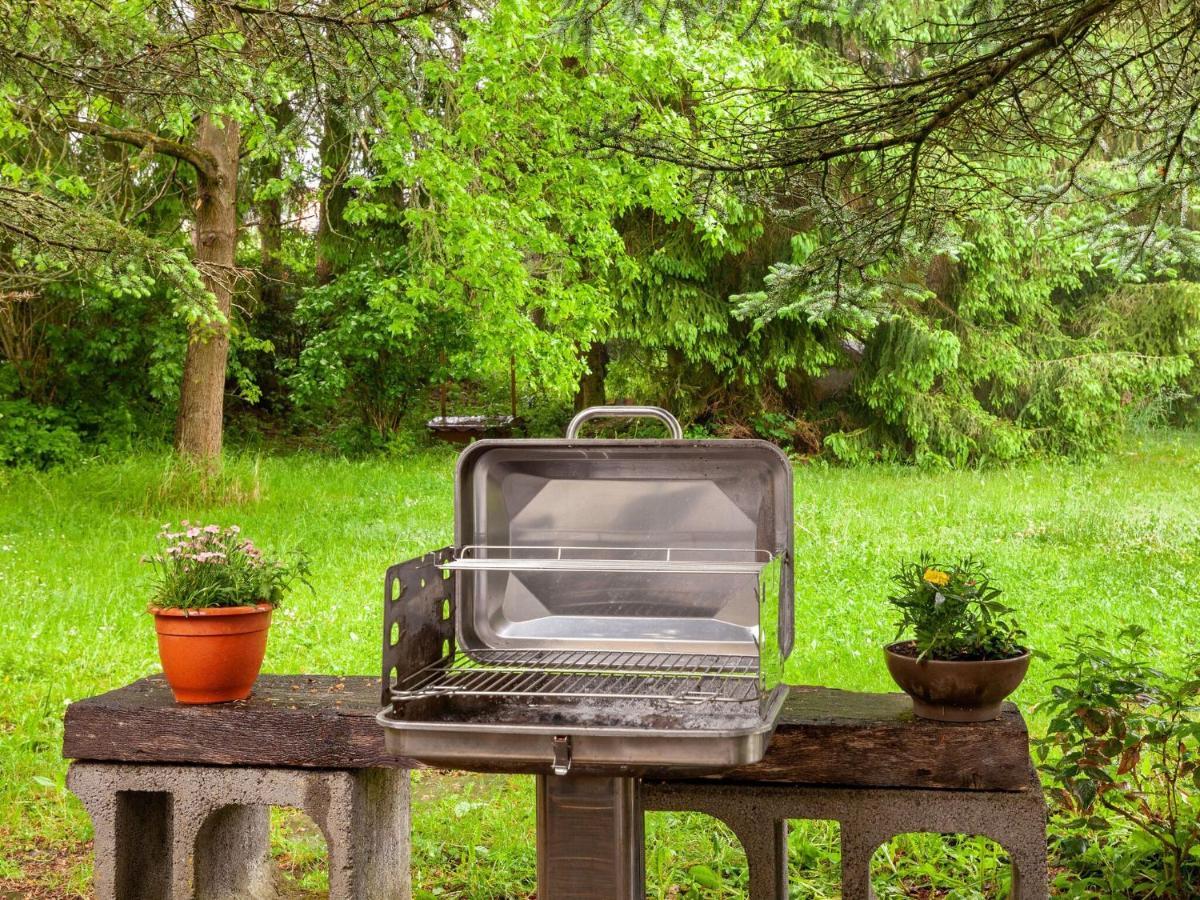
column 950, row 233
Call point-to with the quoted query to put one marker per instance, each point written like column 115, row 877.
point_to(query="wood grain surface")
column 825, row 736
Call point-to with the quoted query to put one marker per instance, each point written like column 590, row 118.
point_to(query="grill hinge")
column 562, row 753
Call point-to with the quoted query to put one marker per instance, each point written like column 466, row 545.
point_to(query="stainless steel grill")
column 610, row 609
column 629, row 601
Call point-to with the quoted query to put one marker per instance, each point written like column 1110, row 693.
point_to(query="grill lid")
column 626, row 546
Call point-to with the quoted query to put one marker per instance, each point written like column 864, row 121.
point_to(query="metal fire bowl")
column 625, row 738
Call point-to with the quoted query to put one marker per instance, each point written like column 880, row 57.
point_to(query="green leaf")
column 1084, row 792
column 705, row 877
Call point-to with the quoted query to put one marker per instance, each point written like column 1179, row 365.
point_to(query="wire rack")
column 583, row 675
column 675, row 560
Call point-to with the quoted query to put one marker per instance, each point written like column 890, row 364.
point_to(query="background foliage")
column 434, row 202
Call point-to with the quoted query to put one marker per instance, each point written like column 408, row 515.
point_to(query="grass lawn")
column 1076, row 545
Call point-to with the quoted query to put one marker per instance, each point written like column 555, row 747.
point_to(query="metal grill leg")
column 590, row 838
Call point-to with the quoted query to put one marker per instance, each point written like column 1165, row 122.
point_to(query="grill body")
column 618, row 607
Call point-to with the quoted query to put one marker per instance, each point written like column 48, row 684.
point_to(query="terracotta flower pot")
column 958, row 691
column 212, row 655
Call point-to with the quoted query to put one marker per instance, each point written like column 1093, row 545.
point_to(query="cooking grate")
column 577, row 675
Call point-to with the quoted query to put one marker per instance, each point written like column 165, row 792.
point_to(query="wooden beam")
column 825, row 736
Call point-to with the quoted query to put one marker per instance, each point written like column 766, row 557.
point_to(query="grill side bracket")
column 418, row 617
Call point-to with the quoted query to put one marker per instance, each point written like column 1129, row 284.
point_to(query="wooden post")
column 442, row 389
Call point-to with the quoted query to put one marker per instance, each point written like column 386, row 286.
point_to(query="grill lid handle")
column 617, row 412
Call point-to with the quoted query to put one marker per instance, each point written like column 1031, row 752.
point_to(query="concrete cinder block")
column 165, row 832
column 868, row 817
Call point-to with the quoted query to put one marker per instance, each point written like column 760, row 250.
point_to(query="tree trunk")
column 202, row 396
column 276, row 311
column 335, row 167
column 270, row 222
column 591, row 385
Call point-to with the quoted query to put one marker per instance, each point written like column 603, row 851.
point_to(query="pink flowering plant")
column 200, row 567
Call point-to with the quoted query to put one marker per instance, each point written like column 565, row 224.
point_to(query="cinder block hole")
column 693, row 855
column 814, row 858
column 143, row 830
column 299, row 854
column 936, row 865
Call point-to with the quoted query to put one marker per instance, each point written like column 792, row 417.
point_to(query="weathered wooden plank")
column 833, row 737
column 302, row 720
column 825, row 736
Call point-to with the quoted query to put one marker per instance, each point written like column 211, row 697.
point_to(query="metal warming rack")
column 669, row 560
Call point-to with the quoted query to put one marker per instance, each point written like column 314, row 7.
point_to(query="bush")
column 1025, row 344
column 1122, row 755
column 37, row 436
column 364, row 359
column 106, row 351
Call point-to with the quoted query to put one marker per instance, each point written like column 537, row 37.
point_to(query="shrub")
column 1122, row 754
column 954, row 612
column 368, row 353
column 37, row 436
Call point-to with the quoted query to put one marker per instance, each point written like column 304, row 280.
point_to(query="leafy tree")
column 194, row 83
column 995, row 142
column 931, row 110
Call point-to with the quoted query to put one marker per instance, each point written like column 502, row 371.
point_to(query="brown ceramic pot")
column 212, row 655
column 959, row 691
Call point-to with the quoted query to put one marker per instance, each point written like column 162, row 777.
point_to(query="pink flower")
column 193, row 532
column 212, row 529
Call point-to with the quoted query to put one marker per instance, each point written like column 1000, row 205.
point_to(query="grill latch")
column 562, row 753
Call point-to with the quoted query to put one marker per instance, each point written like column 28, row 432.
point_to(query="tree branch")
column 202, row 162
column 297, row 12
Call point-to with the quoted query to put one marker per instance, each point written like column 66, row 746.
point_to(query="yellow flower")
column 933, row 576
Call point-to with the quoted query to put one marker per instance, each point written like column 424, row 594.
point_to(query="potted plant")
column 965, row 654
column 213, row 595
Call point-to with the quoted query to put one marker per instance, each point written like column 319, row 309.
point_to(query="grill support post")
column 590, row 838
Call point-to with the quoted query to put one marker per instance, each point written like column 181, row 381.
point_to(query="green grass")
column 1075, row 545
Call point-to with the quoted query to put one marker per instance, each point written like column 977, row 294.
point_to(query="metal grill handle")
column 616, row 412
column 561, row 745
